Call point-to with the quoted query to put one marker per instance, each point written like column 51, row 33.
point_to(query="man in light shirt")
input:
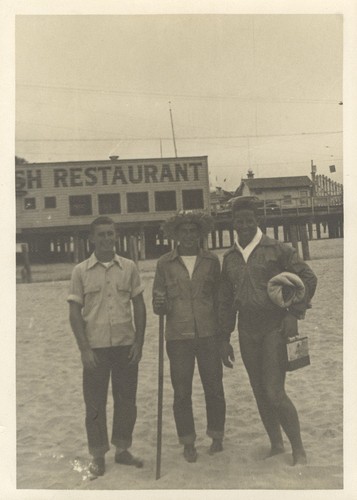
column 185, row 289
column 263, row 327
column 101, row 292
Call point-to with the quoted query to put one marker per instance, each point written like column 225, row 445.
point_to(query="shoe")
column 97, row 466
column 126, row 458
column 190, row 453
column 216, row 446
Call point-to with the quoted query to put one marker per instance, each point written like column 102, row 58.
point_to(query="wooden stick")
column 160, row 394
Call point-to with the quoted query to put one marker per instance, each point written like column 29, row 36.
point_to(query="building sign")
column 107, row 175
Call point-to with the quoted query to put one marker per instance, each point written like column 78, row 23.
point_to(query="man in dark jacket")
column 263, row 327
column 185, row 289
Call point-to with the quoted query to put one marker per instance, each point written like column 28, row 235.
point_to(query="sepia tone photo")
column 179, row 252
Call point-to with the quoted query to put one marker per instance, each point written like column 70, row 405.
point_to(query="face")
column 246, row 224
column 188, row 236
column 103, row 238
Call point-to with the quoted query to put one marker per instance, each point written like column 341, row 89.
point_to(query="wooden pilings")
column 276, row 231
column 294, row 237
column 26, row 270
column 304, row 242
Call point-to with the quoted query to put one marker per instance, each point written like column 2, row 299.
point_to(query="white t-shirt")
column 189, row 261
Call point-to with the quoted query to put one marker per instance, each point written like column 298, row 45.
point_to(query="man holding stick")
column 185, row 289
column 101, row 291
column 263, row 326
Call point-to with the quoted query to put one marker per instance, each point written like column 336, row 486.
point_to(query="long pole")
column 173, row 132
column 160, row 396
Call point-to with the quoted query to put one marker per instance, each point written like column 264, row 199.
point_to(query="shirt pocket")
column 91, row 296
column 124, row 294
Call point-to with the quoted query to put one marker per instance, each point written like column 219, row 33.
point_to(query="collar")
column 92, row 261
column 252, row 244
column 265, row 241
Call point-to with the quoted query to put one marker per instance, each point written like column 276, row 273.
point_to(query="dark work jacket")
column 192, row 307
column 243, row 285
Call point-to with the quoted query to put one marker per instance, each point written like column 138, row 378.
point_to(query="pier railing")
column 294, row 206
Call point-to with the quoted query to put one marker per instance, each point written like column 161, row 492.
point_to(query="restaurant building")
column 56, row 202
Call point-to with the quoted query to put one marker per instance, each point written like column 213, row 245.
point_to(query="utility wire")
column 192, row 138
column 166, row 95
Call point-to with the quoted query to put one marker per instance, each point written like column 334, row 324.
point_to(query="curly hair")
column 203, row 221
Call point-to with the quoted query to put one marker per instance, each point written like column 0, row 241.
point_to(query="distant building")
column 219, row 199
column 283, row 191
column 294, row 191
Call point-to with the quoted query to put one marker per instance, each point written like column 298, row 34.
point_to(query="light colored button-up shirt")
column 105, row 294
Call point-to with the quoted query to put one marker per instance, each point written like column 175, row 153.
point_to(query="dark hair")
column 203, row 221
column 103, row 219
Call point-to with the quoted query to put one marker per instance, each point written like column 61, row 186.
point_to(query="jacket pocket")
column 173, row 289
column 208, row 287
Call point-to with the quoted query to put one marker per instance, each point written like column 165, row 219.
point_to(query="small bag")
column 297, row 350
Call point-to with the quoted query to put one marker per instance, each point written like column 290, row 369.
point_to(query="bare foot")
column 299, row 457
column 276, row 450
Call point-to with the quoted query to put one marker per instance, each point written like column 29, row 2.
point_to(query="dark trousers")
column 263, row 353
column 182, row 355
column 113, row 361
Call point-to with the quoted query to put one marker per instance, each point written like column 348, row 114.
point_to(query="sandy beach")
column 51, row 440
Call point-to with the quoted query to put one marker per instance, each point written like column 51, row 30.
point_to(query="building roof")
column 114, row 160
column 278, row 182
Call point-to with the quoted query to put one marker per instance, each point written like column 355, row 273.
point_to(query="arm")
column 226, row 317
column 216, row 274
column 294, row 264
column 139, row 311
column 88, row 357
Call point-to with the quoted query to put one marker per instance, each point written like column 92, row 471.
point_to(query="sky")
column 248, row 91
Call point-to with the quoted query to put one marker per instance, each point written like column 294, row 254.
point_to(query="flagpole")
column 172, row 127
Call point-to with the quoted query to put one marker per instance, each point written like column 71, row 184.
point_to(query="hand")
column 289, row 326
column 160, row 304
column 89, row 359
column 227, row 354
column 135, row 353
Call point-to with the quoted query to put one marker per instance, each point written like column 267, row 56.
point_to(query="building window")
column 287, row 199
column 165, row 201
column 80, row 205
column 192, row 199
column 30, row 203
column 137, row 202
column 304, row 194
column 109, row 203
column 50, row 202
